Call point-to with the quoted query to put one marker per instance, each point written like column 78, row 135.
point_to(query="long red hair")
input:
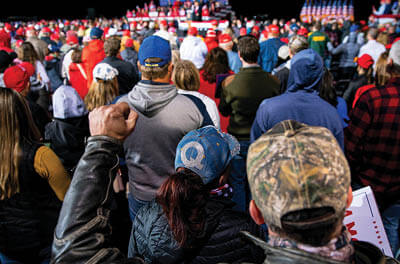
column 183, row 197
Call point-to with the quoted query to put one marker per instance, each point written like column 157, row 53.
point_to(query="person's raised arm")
column 83, row 229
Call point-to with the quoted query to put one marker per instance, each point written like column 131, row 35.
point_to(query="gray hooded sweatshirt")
column 164, row 118
column 348, row 51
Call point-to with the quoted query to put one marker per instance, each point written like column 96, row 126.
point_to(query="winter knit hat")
column 67, row 103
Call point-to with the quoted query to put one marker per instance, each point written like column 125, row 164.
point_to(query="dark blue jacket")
column 127, row 76
column 152, row 238
column 268, row 57
column 301, row 101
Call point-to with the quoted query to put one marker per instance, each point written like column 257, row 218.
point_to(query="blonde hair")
column 101, row 93
column 176, row 56
column 186, row 76
column 16, row 124
column 26, row 52
column 383, row 38
column 382, row 75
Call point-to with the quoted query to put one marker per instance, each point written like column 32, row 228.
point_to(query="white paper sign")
column 364, row 222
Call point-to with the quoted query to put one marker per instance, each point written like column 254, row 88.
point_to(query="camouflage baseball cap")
column 295, row 166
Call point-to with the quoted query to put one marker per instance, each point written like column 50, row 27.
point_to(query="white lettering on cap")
column 195, row 162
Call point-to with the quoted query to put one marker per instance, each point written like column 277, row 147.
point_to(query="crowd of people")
column 136, row 141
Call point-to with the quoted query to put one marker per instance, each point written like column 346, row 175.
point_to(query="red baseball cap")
column 302, row 32
column 273, row 29
column 192, row 31
column 129, row 43
column 17, row 77
column 72, row 39
column 365, row 61
column 20, row 31
column 46, row 30
column 224, row 38
column 211, row 33
column 164, row 23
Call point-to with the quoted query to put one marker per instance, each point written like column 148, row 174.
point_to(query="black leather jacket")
column 83, row 230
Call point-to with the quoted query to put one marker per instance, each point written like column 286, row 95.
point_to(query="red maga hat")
column 17, row 77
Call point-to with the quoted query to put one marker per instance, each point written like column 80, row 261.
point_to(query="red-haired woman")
column 216, row 64
column 191, row 220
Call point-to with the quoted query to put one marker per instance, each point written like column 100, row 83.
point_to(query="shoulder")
column 152, row 233
column 148, row 215
column 44, row 152
column 123, row 98
column 44, row 155
column 370, row 93
column 270, row 104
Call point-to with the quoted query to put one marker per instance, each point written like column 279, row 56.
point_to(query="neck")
column 159, row 80
column 338, row 248
column 247, row 64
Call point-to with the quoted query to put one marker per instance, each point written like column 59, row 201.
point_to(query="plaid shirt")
column 372, row 141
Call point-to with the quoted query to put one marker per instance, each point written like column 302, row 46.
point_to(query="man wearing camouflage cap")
column 300, row 182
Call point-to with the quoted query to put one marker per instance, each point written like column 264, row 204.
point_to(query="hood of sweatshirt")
column 306, row 71
column 96, row 45
column 149, row 97
column 352, row 37
column 195, row 41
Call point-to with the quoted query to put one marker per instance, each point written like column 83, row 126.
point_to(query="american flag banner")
column 318, row 12
column 309, row 11
column 303, row 12
column 324, row 9
column 314, row 10
column 339, row 10
column 328, row 9
column 333, row 10
column 345, row 10
column 351, row 11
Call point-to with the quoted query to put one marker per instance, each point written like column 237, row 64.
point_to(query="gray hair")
column 373, row 33
column 297, row 43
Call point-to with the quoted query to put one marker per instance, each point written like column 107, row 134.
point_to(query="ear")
column 138, row 65
column 349, row 197
column 255, row 213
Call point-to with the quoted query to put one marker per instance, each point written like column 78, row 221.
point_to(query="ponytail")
column 183, row 197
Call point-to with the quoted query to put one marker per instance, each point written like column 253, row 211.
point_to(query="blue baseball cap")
column 354, row 28
column 154, row 47
column 206, row 151
column 96, row 33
